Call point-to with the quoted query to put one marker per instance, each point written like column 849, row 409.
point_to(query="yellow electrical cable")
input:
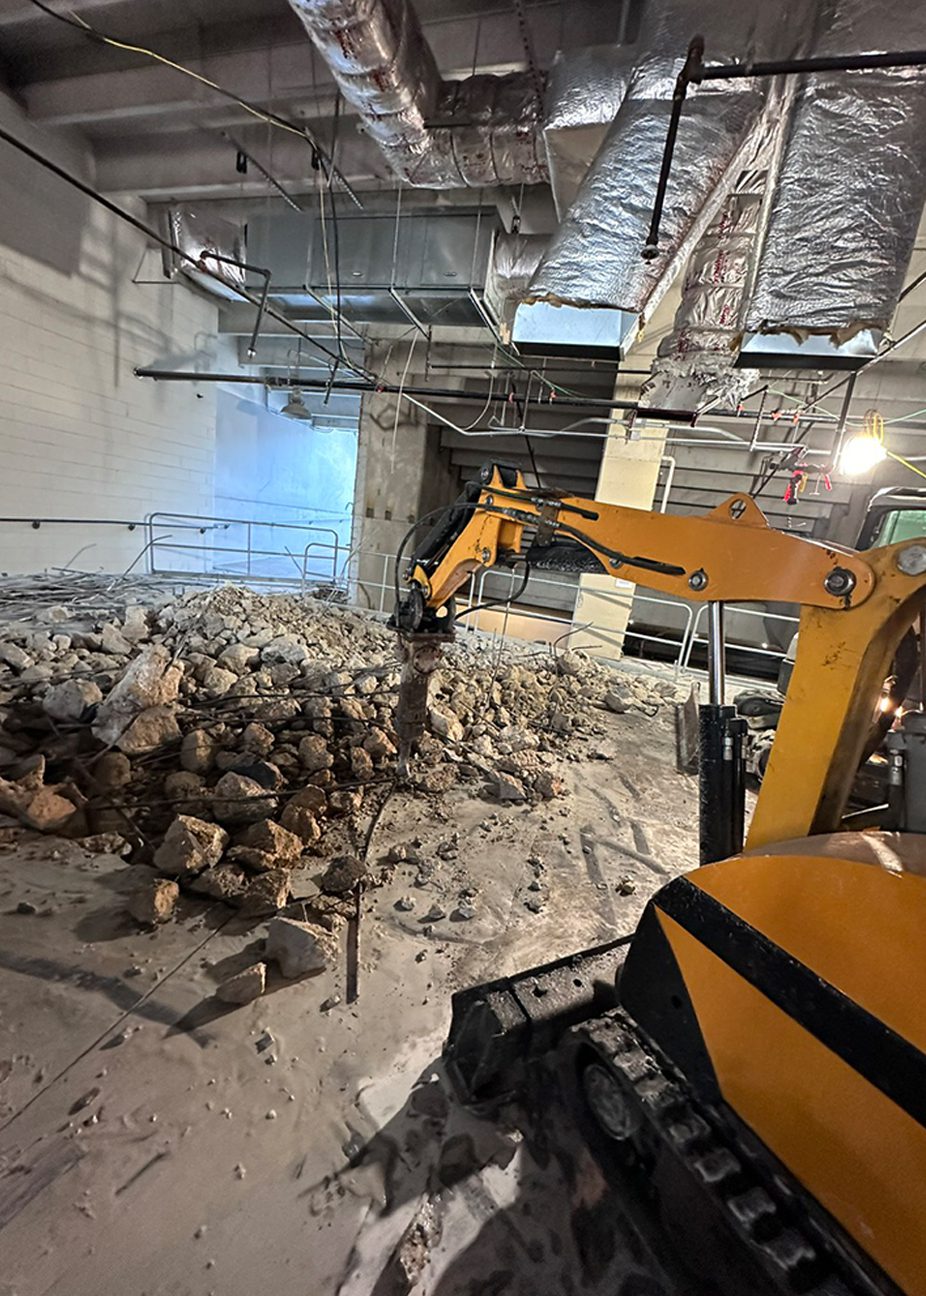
column 906, row 463
column 75, row 20
column 874, row 428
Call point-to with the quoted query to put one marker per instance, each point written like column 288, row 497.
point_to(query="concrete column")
column 629, row 474
column 402, row 473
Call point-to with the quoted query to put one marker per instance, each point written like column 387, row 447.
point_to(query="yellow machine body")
column 807, row 983
column 786, row 986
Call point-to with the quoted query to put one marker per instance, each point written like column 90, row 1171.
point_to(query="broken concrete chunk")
column 314, row 753
column 345, row 801
column 154, row 901
column 266, row 835
column 216, row 682
column 619, row 699
column 189, row 846
column 265, row 846
column 224, row 882
column 300, row 820
column 44, row 808
column 548, row 785
column 263, row 772
column 14, row 656
column 197, row 751
column 135, row 623
column 113, row 770
column 285, row 648
column 105, row 843
column 344, row 872
column 238, row 657
column 509, row 788
column 379, row 744
column 240, row 800
column 112, row 640
column 445, row 725
column 361, row 764
column 181, row 785
column 267, row 893
column 38, row 674
column 257, row 739
column 71, row 699
column 149, row 731
column 55, row 614
column 151, row 680
column 298, row 947
column 515, row 738
column 312, row 798
column 48, row 811
column 244, row 987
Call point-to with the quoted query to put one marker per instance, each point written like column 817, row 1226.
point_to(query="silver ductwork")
column 595, row 258
column 695, row 363
column 585, row 89
column 850, row 194
column 512, row 265
column 481, row 131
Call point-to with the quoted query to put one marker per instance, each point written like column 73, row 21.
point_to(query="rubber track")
column 793, row 1260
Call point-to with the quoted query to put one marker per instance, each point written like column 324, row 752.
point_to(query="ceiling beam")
column 202, row 164
column 289, row 71
column 15, row 12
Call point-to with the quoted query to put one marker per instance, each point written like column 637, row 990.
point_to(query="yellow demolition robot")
column 761, row 1039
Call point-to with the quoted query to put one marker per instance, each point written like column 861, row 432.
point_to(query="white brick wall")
column 80, row 436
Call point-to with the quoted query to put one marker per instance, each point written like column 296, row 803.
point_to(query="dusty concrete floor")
column 156, row 1143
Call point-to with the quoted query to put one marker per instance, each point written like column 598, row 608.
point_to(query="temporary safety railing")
column 293, row 555
column 242, row 549
column 766, row 650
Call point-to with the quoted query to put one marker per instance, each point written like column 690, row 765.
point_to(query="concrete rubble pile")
column 232, row 738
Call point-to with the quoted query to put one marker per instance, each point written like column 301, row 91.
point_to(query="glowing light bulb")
column 860, row 454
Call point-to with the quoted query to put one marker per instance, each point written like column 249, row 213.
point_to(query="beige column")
column 402, row 473
column 629, row 475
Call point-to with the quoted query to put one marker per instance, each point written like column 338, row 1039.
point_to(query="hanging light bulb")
column 295, row 407
column 860, row 454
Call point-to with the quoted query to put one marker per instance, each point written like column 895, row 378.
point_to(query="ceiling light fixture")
column 866, row 449
column 295, row 407
column 860, row 454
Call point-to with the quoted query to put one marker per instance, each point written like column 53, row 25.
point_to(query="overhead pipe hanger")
column 694, row 72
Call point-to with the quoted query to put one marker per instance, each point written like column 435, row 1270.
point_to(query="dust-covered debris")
column 298, row 947
column 153, row 900
column 244, row 986
column 237, row 739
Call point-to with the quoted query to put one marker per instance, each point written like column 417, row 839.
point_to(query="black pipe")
column 694, row 73
column 367, row 385
column 795, row 67
column 155, row 237
column 684, row 79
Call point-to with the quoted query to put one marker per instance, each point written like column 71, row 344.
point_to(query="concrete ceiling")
column 161, row 135
column 158, row 134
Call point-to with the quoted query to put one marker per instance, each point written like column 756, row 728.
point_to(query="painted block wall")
column 80, row 436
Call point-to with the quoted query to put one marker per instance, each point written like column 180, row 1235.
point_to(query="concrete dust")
column 297, row 1142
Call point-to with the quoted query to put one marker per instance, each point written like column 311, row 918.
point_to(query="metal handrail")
column 207, row 522
column 746, row 648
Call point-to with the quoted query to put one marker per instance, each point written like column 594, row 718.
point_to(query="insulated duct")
column 208, row 241
column 695, row 363
column 484, row 130
column 514, row 260
column 594, row 259
column 852, row 185
column 585, row 89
